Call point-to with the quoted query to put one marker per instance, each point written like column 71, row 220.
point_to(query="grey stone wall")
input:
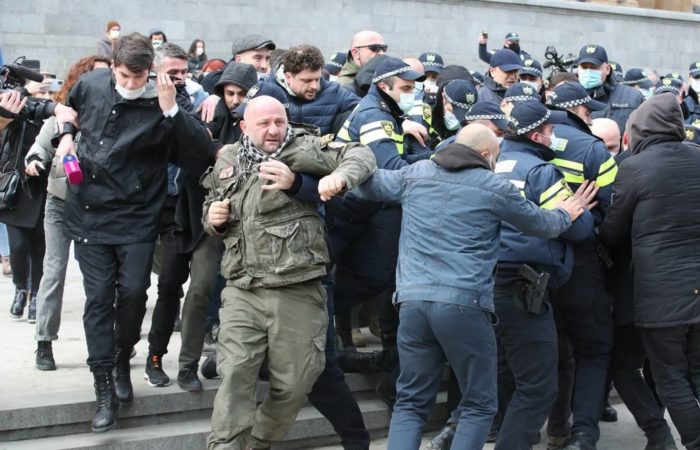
column 58, row 32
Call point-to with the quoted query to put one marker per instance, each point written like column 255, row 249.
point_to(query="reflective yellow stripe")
column 344, row 134
column 550, row 197
column 607, row 173
column 371, row 136
column 573, row 171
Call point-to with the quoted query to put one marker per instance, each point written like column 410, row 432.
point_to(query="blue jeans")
column 4, row 241
column 431, row 334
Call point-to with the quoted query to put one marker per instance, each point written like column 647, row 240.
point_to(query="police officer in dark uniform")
column 675, row 87
column 582, row 308
column 617, row 71
column 364, row 235
column 454, row 101
column 691, row 99
column 511, row 42
column 596, row 75
column 518, row 93
column 488, row 114
column 531, row 73
column 638, row 79
column 502, row 74
column 528, row 269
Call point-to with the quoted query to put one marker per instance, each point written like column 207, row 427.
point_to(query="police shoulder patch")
column 252, row 91
column 689, row 134
column 427, row 111
column 325, row 139
column 388, row 127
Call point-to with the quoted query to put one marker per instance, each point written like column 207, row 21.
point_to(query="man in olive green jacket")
column 275, row 254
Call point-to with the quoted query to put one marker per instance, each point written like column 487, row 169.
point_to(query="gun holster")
column 534, row 289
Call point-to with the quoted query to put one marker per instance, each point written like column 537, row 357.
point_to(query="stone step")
column 310, row 430
column 27, row 416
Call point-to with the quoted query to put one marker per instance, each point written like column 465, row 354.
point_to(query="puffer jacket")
column 271, row 238
column 656, row 207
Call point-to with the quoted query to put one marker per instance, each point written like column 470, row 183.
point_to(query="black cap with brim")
column 528, row 116
column 488, row 110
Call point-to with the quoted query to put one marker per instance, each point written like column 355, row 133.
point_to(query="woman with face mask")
column 196, row 56
column 104, row 45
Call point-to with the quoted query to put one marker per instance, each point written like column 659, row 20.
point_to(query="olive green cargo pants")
column 289, row 324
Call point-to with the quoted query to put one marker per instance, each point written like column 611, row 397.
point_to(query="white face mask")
column 156, row 43
column 114, row 34
column 199, row 51
column 532, row 84
column 406, row 102
column 418, row 86
column 647, row 93
column 557, row 144
column 129, row 94
column 695, row 84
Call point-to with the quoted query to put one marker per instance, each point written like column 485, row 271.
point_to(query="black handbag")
column 10, row 181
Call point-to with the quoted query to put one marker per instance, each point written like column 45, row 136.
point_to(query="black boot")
column 122, row 376
column 188, row 380
column 31, row 311
column 18, row 304
column 209, row 367
column 664, row 443
column 107, row 405
column 609, row 413
column 581, row 441
column 44, row 356
column 361, row 362
column 442, row 441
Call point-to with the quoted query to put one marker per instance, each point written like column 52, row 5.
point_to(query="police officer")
column 511, row 42
column 638, row 79
column 582, row 309
column 364, row 235
column 518, row 93
column 332, row 67
column 488, row 114
column 502, row 74
column 618, row 73
column 675, row 87
column 596, row 75
column 526, row 331
column 433, row 64
column 454, row 101
column 691, row 99
column 531, row 73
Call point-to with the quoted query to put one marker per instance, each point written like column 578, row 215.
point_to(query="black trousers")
column 174, row 271
column 628, row 357
column 674, row 356
column 27, row 247
column 115, row 278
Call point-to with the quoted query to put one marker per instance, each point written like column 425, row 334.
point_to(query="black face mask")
column 515, row 47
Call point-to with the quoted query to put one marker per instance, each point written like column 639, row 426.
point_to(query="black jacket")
column 124, row 151
column 656, row 204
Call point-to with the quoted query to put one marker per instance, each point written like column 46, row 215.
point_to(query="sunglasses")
column 375, row 47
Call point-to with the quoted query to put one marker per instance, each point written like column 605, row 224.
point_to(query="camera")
column 557, row 62
column 14, row 77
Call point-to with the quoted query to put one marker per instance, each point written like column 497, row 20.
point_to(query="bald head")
column 480, row 139
column 415, row 64
column 359, row 48
column 265, row 123
column 607, row 130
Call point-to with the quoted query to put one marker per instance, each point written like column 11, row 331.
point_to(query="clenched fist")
column 218, row 213
column 331, row 185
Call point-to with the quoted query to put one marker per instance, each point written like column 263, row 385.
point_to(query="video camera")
column 14, row 77
column 557, row 61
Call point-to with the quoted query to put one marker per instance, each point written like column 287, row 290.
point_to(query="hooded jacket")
column 453, row 206
column 656, row 206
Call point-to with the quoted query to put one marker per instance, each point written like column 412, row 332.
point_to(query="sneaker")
column 31, row 311
column 44, row 356
column 18, row 303
column 6, row 267
column 155, row 375
column 188, row 380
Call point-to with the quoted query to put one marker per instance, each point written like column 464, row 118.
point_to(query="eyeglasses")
column 376, row 48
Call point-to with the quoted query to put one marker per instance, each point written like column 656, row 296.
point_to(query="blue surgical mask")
column 451, row 122
column 590, row 78
column 406, row 102
column 647, row 93
column 418, row 86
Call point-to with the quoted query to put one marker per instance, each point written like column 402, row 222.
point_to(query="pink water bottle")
column 72, row 167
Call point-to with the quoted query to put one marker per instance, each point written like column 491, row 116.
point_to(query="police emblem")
column 676, row 75
column 471, row 98
column 528, row 62
column 430, row 57
column 388, row 128
column 527, row 90
column 614, row 66
column 252, row 91
column 591, row 49
column 667, row 81
column 427, row 111
column 697, row 65
column 689, row 134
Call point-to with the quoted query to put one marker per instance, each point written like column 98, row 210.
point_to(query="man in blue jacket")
column 445, row 284
column 311, row 99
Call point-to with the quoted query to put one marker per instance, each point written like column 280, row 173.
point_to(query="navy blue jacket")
column 525, row 164
column 621, row 100
column 330, row 101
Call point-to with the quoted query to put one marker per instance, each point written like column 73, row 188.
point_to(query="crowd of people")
column 536, row 233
